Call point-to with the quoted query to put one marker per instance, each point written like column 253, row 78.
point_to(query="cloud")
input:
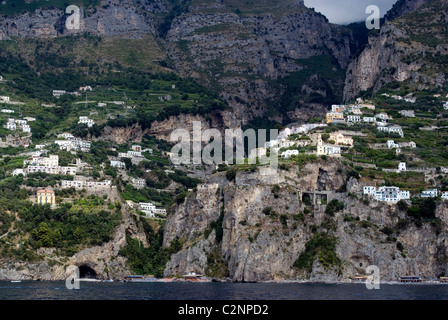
column 347, row 11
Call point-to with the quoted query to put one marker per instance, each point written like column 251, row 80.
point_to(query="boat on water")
column 89, row 280
column 16, row 281
column 193, row 277
column 139, row 278
column 410, row 279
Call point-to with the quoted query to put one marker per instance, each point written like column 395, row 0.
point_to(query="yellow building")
column 46, row 196
column 335, row 117
column 340, row 139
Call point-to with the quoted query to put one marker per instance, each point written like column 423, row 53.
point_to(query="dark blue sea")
column 43, row 290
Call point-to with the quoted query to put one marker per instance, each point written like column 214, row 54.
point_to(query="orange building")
column 46, row 196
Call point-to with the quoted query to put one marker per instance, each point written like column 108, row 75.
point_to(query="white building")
column 7, row 111
column 11, row 126
column 117, row 164
column 51, row 161
column 338, row 108
column 392, row 129
column 81, row 184
column 4, row 98
column 369, row 119
column 86, row 120
column 288, row 153
column 445, row 195
column 130, row 154
column 58, row 93
column 139, row 183
column 402, row 166
column 26, row 128
column 388, row 194
column 369, row 190
column 407, row 113
column 404, row 195
column 354, row 118
column 383, row 116
column 66, row 135
column 16, row 172
column 391, row 144
column 51, row 170
column 430, row 193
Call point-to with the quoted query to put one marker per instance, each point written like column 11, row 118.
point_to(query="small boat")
column 16, row 281
column 410, row 279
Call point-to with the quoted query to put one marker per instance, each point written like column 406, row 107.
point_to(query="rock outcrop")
column 404, row 51
column 267, row 223
column 104, row 260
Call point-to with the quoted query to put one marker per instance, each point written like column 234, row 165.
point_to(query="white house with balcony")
column 354, row 118
column 392, row 129
column 430, row 193
column 387, row 194
column 86, row 120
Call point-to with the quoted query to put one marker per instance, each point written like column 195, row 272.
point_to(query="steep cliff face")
column 114, row 18
column 407, row 51
column 274, row 58
column 242, row 54
column 267, row 224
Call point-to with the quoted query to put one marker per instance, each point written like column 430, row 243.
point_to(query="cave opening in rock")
column 85, row 272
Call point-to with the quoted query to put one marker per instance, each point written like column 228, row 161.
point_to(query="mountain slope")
column 408, row 53
column 277, row 59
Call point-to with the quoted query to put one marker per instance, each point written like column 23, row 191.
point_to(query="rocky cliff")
column 407, row 51
column 272, row 58
column 243, row 54
column 268, row 224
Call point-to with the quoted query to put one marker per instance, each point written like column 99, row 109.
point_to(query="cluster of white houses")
column 337, row 140
column 353, row 114
column 433, row 193
column 387, row 194
column 69, row 142
column 394, row 194
column 14, row 124
column 83, row 183
column 48, row 165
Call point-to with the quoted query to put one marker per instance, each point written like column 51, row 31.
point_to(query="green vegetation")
column 151, row 260
column 334, row 206
column 323, row 247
